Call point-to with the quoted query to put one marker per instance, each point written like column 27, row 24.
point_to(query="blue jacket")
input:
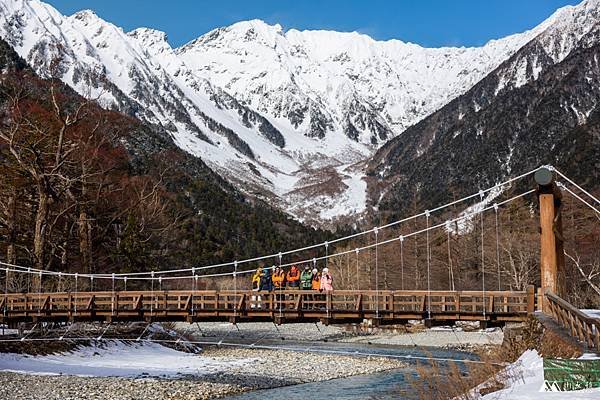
column 266, row 282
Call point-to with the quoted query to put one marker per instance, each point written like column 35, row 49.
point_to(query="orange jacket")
column 279, row 279
column 293, row 275
column 316, row 281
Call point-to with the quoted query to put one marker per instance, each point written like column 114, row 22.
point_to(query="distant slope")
column 288, row 117
column 214, row 223
column 501, row 127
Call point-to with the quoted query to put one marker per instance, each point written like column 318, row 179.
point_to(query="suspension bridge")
column 157, row 303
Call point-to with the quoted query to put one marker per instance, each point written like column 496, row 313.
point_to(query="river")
column 386, row 385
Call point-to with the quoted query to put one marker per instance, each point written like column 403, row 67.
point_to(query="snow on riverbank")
column 118, row 359
column 110, row 373
column 592, row 313
column 527, row 383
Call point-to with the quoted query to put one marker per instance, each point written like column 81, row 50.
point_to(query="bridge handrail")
column 580, row 325
column 568, row 306
column 381, row 293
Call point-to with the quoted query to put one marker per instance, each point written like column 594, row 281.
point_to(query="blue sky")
column 429, row 23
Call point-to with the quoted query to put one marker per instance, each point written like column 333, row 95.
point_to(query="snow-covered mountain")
column 540, row 106
column 289, row 116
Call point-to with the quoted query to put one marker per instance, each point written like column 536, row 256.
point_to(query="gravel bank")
column 441, row 337
column 264, row 331
column 463, row 336
column 269, row 369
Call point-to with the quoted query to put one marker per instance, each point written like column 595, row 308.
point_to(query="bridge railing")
column 581, row 326
column 290, row 304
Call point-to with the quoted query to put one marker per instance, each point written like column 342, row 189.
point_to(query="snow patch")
column 117, row 358
column 466, row 225
column 526, row 382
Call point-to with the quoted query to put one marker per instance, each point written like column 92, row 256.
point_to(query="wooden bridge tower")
column 552, row 258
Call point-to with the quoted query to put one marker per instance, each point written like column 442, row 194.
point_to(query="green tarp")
column 564, row 375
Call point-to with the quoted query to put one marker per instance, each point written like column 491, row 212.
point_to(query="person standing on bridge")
column 315, row 285
column 278, row 278
column 266, row 282
column 316, row 279
column 256, row 279
column 306, row 278
column 326, row 281
column 293, row 278
column 278, row 284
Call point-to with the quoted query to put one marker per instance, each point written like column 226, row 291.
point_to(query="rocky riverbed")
column 463, row 336
column 268, row 368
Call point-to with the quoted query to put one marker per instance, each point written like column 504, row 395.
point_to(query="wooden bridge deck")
column 278, row 306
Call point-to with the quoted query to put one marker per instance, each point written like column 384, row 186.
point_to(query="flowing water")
column 386, row 385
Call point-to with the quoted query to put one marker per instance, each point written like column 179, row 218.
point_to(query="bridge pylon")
column 552, row 258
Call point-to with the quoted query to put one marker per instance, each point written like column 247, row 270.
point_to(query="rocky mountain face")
column 195, row 217
column 291, row 117
column 538, row 107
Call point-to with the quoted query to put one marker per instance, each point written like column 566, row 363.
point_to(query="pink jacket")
column 326, row 282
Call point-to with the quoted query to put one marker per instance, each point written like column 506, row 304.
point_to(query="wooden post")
column 551, row 262
column 530, row 299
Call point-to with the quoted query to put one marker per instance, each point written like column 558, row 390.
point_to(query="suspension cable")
column 194, row 287
column 482, row 264
column 281, row 287
column 255, row 345
column 5, row 311
column 562, row 186
column 357, row 270
column 401, row 262
column 376, row 232
column 428, row 266
column 573, row 183
column 76, row 291
column 235, row 291
column 450, row 270
column 497, row 246
column 327, row 295
column 246, row 261
column 40, row 293
column 112, row 297
column 365, row 247
column 152, row 293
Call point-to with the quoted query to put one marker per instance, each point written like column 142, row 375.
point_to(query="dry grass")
column 465, row 381
column 436, row 381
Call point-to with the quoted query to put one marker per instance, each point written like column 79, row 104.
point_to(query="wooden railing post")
column 530, row 299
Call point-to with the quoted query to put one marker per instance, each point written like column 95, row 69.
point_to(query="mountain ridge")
column 289, row 117
column 552, row 119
